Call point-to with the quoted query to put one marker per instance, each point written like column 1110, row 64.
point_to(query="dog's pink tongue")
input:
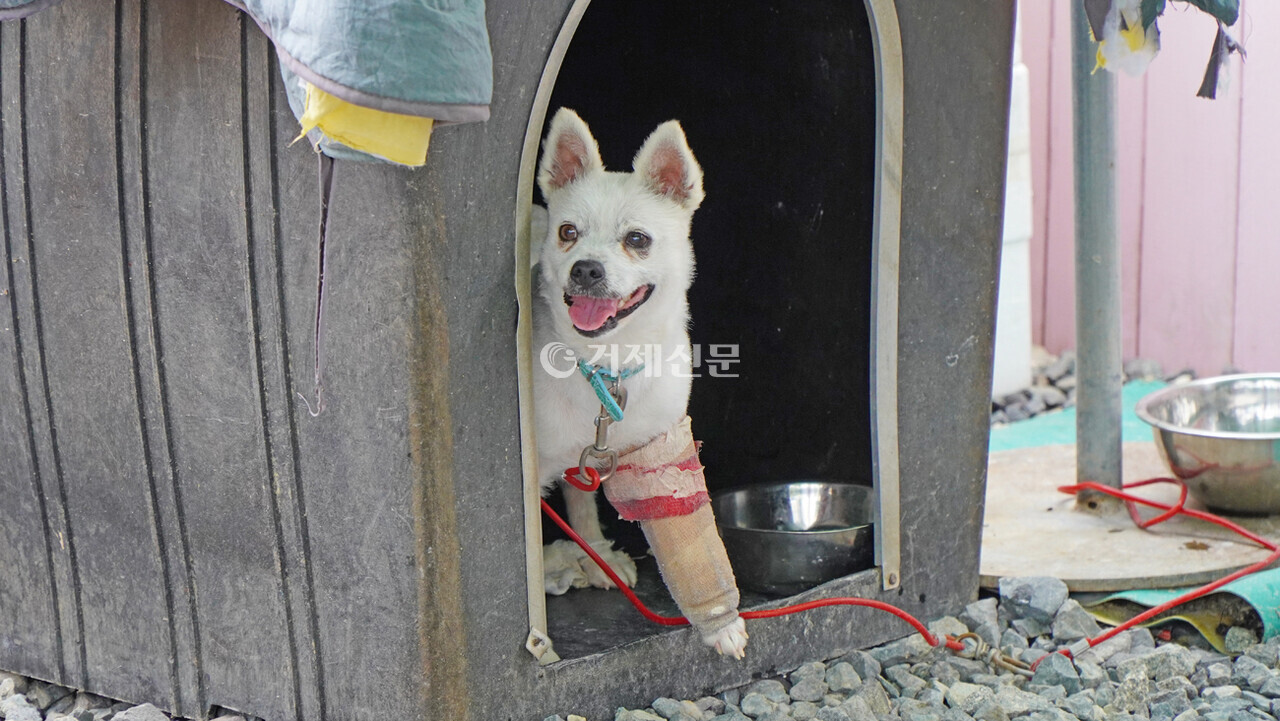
column 590, row 313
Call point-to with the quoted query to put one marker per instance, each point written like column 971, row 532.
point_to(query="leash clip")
column 599, row 449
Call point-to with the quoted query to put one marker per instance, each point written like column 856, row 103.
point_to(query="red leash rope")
column 932, row 640
column 1131, row 502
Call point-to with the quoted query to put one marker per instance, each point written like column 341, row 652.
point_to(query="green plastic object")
column 1060, row 428
column 1228, row 606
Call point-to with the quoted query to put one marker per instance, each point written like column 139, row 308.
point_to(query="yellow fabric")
column 1206, row 615
column 1135, row 35
column 398, row 138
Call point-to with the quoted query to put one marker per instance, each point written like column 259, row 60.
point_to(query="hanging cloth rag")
column 371, row 77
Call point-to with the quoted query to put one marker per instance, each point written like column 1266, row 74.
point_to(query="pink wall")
column 1198, row 193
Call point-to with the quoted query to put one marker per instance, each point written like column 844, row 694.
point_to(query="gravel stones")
column 832, row 714
column 911, row 648
column 1029, row 627
column 710, row 704
column 11, row 683
column 1105, row 650
column 990, row 711
column 1143, row 369
column 1265, row 652
column 1159, row 664
column 23, row 699
column 770, row 689
column 1237, row 639
column 948, row 626
column 756, row 704
column 875, row 697
column 843, row 678
column 1218, row 674
column 811, row 670
column 968, row 697
column 1127, row 678
column 1250, row 673
column 17, row 708
column 43, row 695
column 1271, row 689
column 1054, row 385
column 1072, row 622
column 982, row 618
column 908, row 683
column 1167, row 705
column 804, row 710
column 1212, row 693
column 1058, row 670
column 1131, row 695
column 914, row 710
column 1091, row 674
column 809, row 689
column 857, row 709
column 1017, row 702
column 669, row 708
column 863, row 663
column 1037, row 597
column 1082, row 706
column 145, row 712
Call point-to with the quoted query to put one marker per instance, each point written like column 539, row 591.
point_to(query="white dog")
column 612, row 277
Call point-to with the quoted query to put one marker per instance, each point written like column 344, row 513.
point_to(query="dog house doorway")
column 794, row 112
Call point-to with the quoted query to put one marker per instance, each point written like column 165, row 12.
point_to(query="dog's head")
column 617, row 251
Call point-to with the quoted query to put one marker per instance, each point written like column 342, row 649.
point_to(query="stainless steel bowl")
column 784, row 538
column 1222, row 437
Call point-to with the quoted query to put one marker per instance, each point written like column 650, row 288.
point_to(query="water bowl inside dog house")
column 177, row 529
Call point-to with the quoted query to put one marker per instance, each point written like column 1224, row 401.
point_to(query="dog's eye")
column 568, row 233
column 637, row 240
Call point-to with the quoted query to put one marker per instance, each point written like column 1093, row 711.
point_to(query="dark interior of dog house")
column 783, row 241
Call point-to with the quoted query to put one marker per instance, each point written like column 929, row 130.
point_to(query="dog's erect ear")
column 667, row 165
column 568, row 153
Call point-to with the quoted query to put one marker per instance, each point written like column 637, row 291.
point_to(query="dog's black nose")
column 587, row 273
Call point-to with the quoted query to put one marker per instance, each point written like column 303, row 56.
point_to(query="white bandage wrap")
column 661, row 485
column 695, row 568
column 660, row 479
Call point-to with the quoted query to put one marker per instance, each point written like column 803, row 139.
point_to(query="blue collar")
column 597, row 376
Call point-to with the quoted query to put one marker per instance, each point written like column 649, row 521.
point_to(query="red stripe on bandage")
column 689, row 464
column 662, row 507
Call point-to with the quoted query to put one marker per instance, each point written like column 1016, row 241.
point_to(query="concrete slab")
column 1031, row 529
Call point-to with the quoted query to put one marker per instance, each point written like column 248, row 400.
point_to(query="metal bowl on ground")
column 1221, row 436
column 784, row 538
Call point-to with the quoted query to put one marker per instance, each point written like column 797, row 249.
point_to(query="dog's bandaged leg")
column 661, row 485
column 693, row 563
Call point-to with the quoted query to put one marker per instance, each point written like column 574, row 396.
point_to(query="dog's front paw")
column 618, row 560
column 730, row 640
column 562, row 567
column 565, row 566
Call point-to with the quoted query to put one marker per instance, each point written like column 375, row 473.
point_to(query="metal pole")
column 1099, row 366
